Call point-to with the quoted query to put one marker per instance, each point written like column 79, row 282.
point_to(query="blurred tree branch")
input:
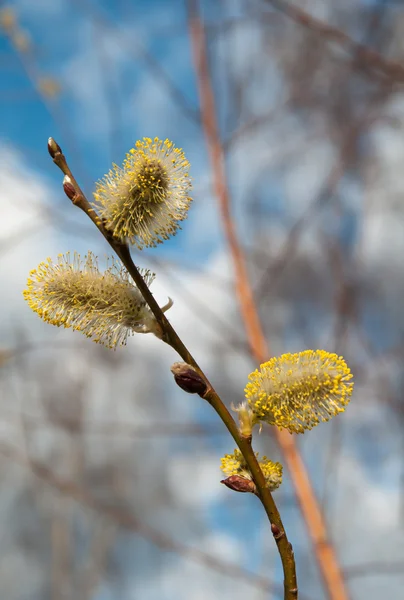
column 365, row 57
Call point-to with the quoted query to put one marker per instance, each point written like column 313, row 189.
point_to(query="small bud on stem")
column 239, row 484
column 68, row 187
column 188, row 379
column 53, row 147
column 277, row 533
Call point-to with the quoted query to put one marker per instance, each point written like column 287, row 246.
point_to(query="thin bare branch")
column 365, row 57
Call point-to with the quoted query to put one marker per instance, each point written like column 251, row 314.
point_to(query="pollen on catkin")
column 234, row 464
column 106, row 306
column 144, row 201
column 298, row 391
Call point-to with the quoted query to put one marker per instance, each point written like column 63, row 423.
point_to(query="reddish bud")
column 53, row 147
column 277, row 533
column 188, row 379
column 239, row 484
column 68, row 187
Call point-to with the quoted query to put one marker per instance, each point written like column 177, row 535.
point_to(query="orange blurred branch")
column 324, row 551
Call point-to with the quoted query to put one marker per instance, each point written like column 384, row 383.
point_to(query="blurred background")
column 109, row 473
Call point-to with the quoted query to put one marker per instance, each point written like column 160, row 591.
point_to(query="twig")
column 170, row 336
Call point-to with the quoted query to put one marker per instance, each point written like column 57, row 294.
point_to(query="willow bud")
column 68, row 187
column 239, row 484
column 188, row 379
column 53, row 147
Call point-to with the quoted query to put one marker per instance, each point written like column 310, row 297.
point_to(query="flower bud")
column 68, row 187
column 239, row 484
column 234, row 465
column 189, row 379
column 277, row 533
column 53, row 147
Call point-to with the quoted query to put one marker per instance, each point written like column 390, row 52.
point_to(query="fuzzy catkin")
column 144, row 201
column 298, row 391
column 105, row 307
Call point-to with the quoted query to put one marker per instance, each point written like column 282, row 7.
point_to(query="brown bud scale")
column 239, row 484
column 277, row 533
column 53, row 147
column 69, row 189
column 188, row 379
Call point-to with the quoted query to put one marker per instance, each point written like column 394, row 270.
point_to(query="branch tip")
column 53, row 147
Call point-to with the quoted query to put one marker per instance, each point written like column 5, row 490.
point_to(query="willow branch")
column 170, row 336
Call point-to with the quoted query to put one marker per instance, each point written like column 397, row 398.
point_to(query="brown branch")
column 324, row 551
column 365, row 56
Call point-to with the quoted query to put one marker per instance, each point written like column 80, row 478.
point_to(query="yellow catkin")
column 234, row 464
column 105, row 307
column 298, row 391
column 144, row 201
